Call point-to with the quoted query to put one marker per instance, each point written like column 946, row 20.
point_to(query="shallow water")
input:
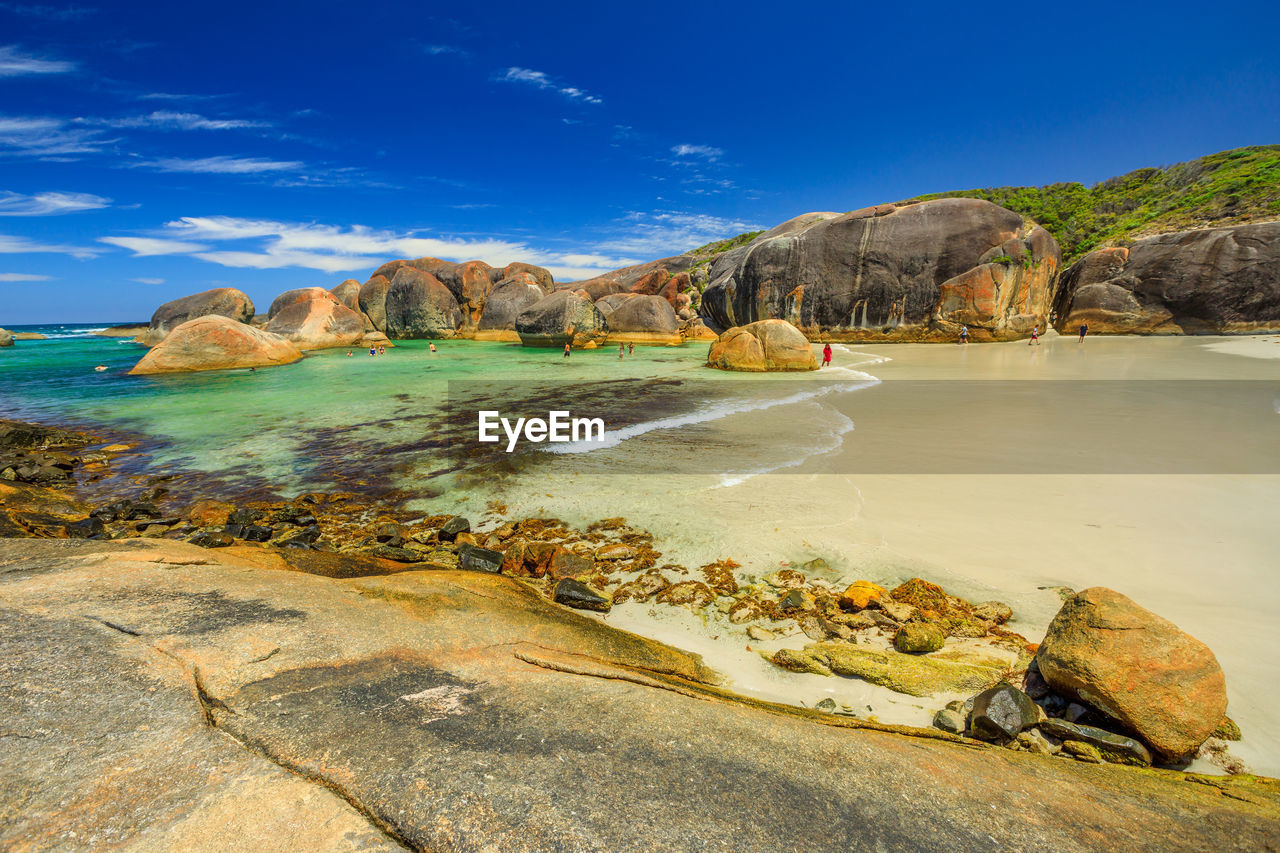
column 770, row 470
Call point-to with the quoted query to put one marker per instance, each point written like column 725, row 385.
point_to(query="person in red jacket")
column 826, row 355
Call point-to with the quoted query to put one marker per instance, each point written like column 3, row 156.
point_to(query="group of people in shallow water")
column 623, row 350
column 1035, row 332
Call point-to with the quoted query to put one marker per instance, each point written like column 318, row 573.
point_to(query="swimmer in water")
column 100, row 368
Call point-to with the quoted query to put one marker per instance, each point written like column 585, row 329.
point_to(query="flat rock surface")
column 161, row 696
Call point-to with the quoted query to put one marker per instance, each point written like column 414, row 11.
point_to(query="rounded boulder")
column 215, row 342
column 765, row 345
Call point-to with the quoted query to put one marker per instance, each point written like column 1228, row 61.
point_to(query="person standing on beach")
column 826, row 355
column 1035, row 337
column 1053, row 318
column 964, row 334
column 1084, row 330
column 566, row 350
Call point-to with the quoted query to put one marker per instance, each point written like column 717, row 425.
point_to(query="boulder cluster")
column 1209, row 281
column 1112, row 682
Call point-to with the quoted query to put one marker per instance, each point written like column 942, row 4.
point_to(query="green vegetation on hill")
column 1242, row 185
column 719, row 247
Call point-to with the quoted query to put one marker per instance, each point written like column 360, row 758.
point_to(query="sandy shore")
column 961, row 469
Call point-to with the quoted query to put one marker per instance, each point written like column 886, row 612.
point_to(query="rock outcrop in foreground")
column 1137, row 668
column 180, row 698
column 763, row 345
column 1211, row 281
column 223, row 301
column 892, row 273
column 214, row 342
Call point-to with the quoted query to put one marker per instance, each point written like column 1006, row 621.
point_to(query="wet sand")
column 1183, row 528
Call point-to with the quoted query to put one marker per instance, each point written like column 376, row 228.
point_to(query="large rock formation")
column 313, row 318
column 633, row 317
column 222, row 301
column 505, row 302
column 1211, row 281
column 373, row 300
column 1162, row 684
column 563, row 317
column 215, row 342
column 170, row 697
column 892, row 272
column 418, row 305
column 763, row 345
column 6, row 338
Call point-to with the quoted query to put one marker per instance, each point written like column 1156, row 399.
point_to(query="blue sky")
column 149, row 150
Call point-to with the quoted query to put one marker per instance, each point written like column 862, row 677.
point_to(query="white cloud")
column 148, row 280
column 13, row 245
column 169, row 120
column 22, row 276
column 542, row 80
column 54, row 13
column 243, row 243
column 47, row 138
column 14, row 63
column 705, row 152
column 222, row 165
column 49, row 204
column 441, row 49
column 173, row 96
column 143, row 247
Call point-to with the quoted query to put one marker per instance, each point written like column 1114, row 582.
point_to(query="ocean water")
column 404, row 423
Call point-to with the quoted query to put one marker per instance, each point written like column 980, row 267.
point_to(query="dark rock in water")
column 88, row 528
column 572, row 593
column 418, row 305
column 451, row 528
column 828, row 705
column 1117, row 749
column 796, row 599
column 507, row 301
column 919, row 637
column 304, row 520
column 391, row 534
column 563, row 317
column 257, row 533
column 244, row 516
column 211, row 539
column 1000, row 713
column 290, row 514
column 235, row 531
column 170, row 521
column 392, row 552
column 303, row 538
column 473, row 558
column 1208, row 281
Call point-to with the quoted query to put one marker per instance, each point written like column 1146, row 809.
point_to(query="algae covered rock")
column 910, row 674
column 918, row 637
column 1140, row 669
column 1113, row 748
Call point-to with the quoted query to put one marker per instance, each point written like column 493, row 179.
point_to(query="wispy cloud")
column 174, row 96
column 148, row 280
column 443, row 50
column 145, row 247
column 23, row 276
column 542, row 80
column 169, row 120
column 14, row 63
column 703, row 152
column 267, row 244
column 650, row 234
column 49, row 204
column 47, row 138
column 221, row 165
column 14, row 245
